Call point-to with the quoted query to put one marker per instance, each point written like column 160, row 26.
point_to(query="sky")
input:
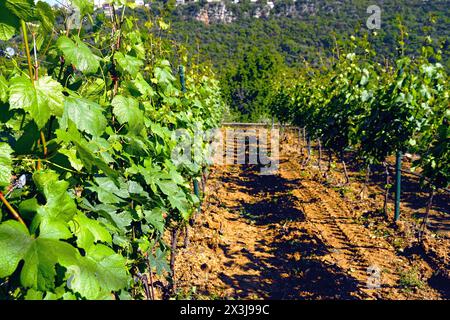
column 51, row 2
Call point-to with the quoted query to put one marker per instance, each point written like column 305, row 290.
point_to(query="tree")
column 247, row 87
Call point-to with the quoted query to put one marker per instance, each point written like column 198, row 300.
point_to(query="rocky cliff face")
column 215, row 13
column 227, row 11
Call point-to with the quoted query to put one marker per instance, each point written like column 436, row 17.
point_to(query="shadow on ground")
column 293, row 269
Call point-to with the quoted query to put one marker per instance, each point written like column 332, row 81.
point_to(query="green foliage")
column 304, row 30
column 40, row 255
column 78, row 54
column 85, row 6
column 127, row 112
column 5, row 164
column 303, row 33
column 128, row 63
column 410, row 279
column 378, row 110
column 94, row 129
column 85, row 114
column 248, row 86
column 46, row 15
column 41, row 99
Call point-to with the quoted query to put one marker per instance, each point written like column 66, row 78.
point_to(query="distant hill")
column 302, row 29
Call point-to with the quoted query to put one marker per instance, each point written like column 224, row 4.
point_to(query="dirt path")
column 287, row 236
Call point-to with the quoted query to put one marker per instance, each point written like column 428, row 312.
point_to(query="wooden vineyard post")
column 398, row 182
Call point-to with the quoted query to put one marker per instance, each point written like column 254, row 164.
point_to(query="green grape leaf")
column 175, row 176
column 155, row 218
column 39, row 267
column 108, row 192
column 180, row 202
column 128, row 63
column 46, row 16
column 91, row 159
column 89, row 231
column 163, row 73
column 3, row 89
column 34, row 295
column 136, row 188
column 39, row 255
column 143, row 86
column 109, row 215
column 60, row 208
column 71, row 155
column 5, row 164
column 127, row 111
column 78, row 54
column 85, row 6
column 60, row 293
column 23, row 9
column 120, row 221
column 9, row 23
column 86, row 115
column 28, row 207
column 98, row 273
column 41, row 100
column 168, row 187
column 49, row 92
column 14, row 243
column 159, row 261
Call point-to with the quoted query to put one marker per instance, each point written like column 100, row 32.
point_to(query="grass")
column 398, row 243
column 342, row 190
column 410, row 279
column 193, row 295
column 304, row 174
column 245, row 214
column 186, row 295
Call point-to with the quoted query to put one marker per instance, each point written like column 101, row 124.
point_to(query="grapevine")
column 89, row 114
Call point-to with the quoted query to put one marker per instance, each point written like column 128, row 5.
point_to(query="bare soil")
column 299, row 235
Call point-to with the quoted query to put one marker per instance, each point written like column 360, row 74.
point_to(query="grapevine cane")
column 427, row 214
column 183, row 89
column 330, row 160
column 32, row 78
column 144, row 281
column 186, row 235
column 304, row 135
column 308, row 147
column 319, row 160
column 173, row 253
column 44, row 144
column 11, row 209
column 205, row 179
column 150, row 271
column 386, row 189
column 300, row 140
column 366, row 182
column 398, row 182
column 344, row 166
column 27, row 49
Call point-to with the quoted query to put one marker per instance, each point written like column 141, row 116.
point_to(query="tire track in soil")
column 331, row 217
column 283, row 237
